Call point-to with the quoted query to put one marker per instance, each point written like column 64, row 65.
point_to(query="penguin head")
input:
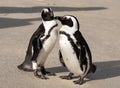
column 47, row 14
column 68, row 20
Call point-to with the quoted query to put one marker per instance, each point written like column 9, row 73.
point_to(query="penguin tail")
column 20, row 67
column 25, row 67
column 93, row 68
column 27, row 63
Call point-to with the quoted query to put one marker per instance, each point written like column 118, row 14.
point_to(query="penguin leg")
column 36, row 70
column 35, row 65
column 44, row 72
column 79, row 81
column 68, row 77
column 36, row 48
column 61, row 58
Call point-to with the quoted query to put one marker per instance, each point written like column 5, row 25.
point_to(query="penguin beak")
column 60, row 18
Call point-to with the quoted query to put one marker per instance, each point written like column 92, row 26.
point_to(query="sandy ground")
column 100, row 25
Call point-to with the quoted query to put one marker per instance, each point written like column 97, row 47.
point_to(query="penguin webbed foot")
column 80, row 81
column 39, row 76
column 44, row 72
column 50, row 73
column 68, row 77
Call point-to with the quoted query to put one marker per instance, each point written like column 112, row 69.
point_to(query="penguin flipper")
column 82, row 43
column 82, row 58
column 27, row 63
column 61, row 58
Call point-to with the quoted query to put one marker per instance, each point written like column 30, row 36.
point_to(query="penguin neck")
column 49, row 24
column 69, row 30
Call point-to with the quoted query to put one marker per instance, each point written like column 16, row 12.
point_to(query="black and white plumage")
column 74, row 51
column 41, row 43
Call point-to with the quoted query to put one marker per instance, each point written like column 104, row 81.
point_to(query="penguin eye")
column 67, row 21
column 64, row 18
column 70, row 22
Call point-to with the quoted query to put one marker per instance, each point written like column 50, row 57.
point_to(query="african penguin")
column 74, row 51
column 41, row 43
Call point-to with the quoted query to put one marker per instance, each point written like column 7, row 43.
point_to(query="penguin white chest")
column 50, row 42
column 52, row 33
column 47, row 47
column 69, row 55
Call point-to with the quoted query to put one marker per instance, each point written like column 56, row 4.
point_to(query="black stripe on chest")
column 76, row 49
column 48, row 35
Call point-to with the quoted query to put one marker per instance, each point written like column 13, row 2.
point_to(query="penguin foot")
column 44, row 77
column 68, row 77
column 50, row 73
column 80, row 81
column 39, row 76
column 44, row 72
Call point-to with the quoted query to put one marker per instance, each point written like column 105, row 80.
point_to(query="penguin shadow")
column 37, row 9
column 104, row 70
column 16, row 22
column 108, row 69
